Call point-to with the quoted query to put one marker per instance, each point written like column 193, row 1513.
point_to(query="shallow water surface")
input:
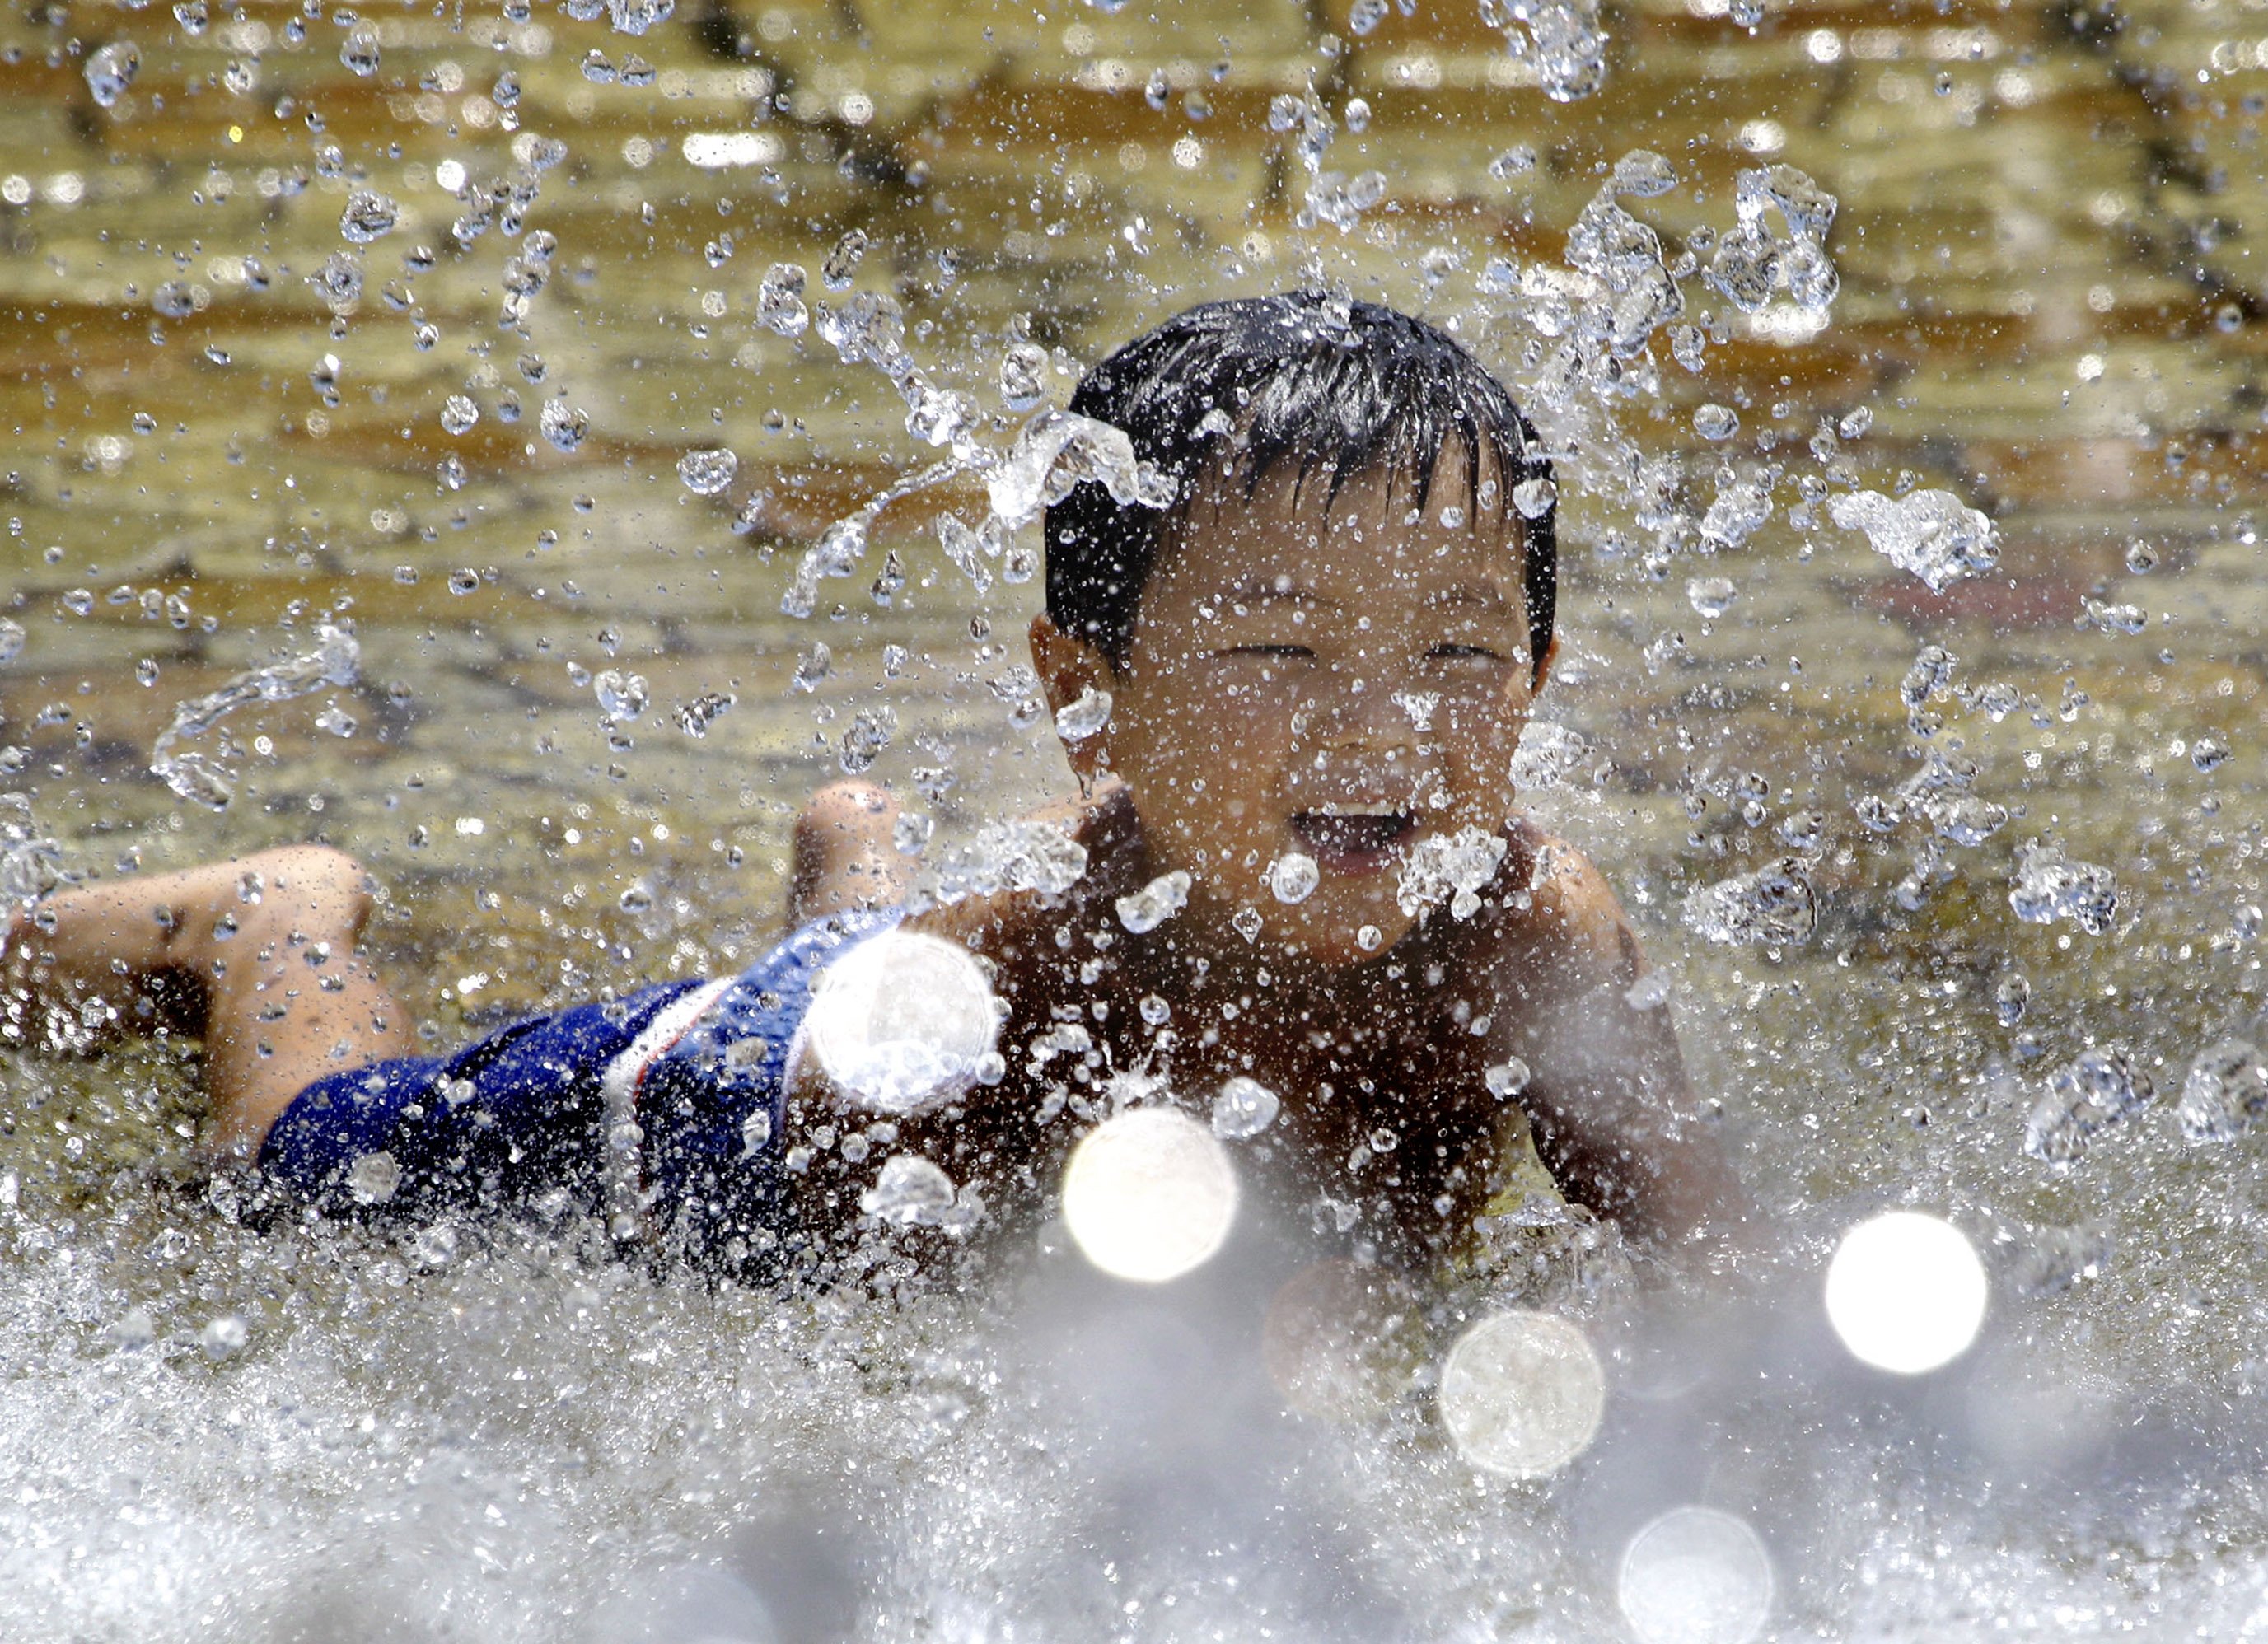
column 239, row 405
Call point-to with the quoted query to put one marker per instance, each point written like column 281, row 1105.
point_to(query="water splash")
column 1452, row 867
column 1932, row 533
column 1772, row 907
column 2086, row 1097
column 1561, row 38
column 196, row 776
column 2049, row 886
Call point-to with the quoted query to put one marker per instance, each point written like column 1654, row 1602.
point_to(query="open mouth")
column 1354, row 838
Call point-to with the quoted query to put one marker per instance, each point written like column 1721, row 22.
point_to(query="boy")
column 1311, row 672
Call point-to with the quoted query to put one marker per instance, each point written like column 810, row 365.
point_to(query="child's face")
column 1337, row 685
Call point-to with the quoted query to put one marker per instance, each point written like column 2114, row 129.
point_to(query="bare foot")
column 846, row 852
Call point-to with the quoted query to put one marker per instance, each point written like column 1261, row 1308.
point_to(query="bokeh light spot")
column 1149, row 1195
column 1696, row 1575
column 902, row 1021
column 1521, row 1394
column 1905, row 1292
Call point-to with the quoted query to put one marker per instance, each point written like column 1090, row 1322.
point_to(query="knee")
column 318, row 886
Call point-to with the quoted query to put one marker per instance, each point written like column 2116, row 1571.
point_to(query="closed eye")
column 1458, row 653
column 1268, row 651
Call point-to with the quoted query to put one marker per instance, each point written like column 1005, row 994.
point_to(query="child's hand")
column 1606, row 1088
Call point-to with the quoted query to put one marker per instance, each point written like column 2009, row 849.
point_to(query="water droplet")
column 1535, row 497
column 622, row 697
column 1696, row 1575
column 1905, row 1292
column 1243, row 1108
column 1293, row 876
column 224, row 1338
column 910, row 1191
column 1451, row 868
column 812, row 667
column 11, row 639
column 110, row 71
column 1931, row 533
column 192, row 15
column 779, row 300
column 706, row 473
column 459, row 413
column 900, row 1021
column 374, row 1179
column 2226, row 1093
column 2010, row 999
column 636, row 16
column 2208, row 753
column 843, row 260
column 1149, row 1195
column 1507, row 1079
column 694, row 717
column 1154, row 903
column 870, row 731
column 368, row 216
column 1772, row 907
column 1077, row 721
column 359, row 52
column 338, row 280
column 1716, row 421
column 2086, row 1097
column 1023, row 375
column 1711, row 595
column 2049, row 886
column 563, row 425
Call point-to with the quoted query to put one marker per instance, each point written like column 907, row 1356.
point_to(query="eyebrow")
column 1259, row 593
column 1485, row 594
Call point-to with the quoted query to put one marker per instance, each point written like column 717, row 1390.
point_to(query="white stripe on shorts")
column 622, row 1141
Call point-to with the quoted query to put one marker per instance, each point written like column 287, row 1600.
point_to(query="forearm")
column 1615, row 1120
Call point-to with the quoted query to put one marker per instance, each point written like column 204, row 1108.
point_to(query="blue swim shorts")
column 663, row 1110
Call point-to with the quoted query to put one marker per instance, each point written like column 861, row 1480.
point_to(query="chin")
column 1333, row 945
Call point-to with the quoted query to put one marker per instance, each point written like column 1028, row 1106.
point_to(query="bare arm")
column 1608, row 1095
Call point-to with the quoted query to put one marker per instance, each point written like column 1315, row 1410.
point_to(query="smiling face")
column 1336, row 682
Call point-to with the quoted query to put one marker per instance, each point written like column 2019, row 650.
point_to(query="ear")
column 1068, row 667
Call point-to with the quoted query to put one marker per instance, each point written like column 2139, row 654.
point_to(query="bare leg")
column 257, row 954
column 846, row 852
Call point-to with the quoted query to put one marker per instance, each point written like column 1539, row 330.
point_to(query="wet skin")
column 1344, row 681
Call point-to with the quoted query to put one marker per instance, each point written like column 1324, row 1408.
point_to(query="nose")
column 1367, row 709
column 1362, row 743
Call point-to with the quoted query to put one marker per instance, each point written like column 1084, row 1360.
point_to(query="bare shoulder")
column 1572, row 917
column 1104, row 824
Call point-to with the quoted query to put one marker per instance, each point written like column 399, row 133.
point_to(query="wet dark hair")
column 1339, row 386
